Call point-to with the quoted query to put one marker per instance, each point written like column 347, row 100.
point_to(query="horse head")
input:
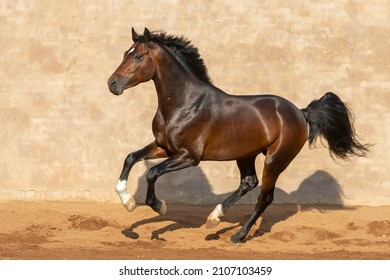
column 137, row 65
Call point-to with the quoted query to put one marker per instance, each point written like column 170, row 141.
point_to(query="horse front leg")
column 174, row 163
column 151, row 151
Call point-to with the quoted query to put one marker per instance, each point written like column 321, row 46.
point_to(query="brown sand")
column 88, row 230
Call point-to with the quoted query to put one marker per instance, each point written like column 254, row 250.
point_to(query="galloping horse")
column 196, row 121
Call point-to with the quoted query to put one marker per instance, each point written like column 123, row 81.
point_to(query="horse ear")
column 147, row 34
column 134, row 35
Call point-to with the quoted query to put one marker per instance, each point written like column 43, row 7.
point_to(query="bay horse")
column 196, row 121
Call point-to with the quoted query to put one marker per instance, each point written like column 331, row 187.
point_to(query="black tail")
column 330, row 118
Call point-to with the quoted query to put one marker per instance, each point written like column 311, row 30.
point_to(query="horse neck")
column 173, row 82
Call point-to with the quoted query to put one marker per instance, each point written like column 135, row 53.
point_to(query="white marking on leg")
column 213, row 219
column 214, row 216
column 126, row 197
column 121, row 189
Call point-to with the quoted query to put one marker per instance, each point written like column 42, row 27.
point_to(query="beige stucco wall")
column 64, row 136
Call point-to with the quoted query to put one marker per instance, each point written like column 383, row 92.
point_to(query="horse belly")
column 233, row 151
column 242, row 138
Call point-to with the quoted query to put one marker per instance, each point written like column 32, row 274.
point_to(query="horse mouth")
column 117, row 92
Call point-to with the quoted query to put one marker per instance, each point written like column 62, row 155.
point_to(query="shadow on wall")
column 320, row 187
column 178, row 187
column 319, row 191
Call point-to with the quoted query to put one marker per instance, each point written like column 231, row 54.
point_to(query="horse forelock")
column 185, row 51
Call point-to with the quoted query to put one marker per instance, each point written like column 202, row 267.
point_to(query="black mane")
column 185, row 51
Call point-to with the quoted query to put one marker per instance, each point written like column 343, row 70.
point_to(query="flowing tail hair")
column 330, row 118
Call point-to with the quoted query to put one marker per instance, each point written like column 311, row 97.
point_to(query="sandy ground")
column 87, row 230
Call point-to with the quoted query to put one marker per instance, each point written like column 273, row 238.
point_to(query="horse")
column 196, row 121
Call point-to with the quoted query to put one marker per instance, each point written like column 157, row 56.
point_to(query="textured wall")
column 64, row 136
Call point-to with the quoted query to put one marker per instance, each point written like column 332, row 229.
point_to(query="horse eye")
column 137, row 56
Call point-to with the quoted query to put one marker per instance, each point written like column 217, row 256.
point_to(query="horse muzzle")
column 115, row 86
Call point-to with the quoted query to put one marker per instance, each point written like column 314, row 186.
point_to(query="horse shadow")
column 320, row 191
column 175, row 188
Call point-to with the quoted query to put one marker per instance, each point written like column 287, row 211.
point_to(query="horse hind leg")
column 277, row 159
column 265, row 199
column 248, row 182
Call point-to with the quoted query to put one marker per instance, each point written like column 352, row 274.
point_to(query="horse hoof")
column 237, row 238
column 163, row 208
column 213, row 219
column 130, row 205
column 212, row 223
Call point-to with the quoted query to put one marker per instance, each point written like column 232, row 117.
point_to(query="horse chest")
column 166, row 133
column 175, row 135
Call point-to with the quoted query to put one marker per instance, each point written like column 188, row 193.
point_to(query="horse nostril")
column 113, row 84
